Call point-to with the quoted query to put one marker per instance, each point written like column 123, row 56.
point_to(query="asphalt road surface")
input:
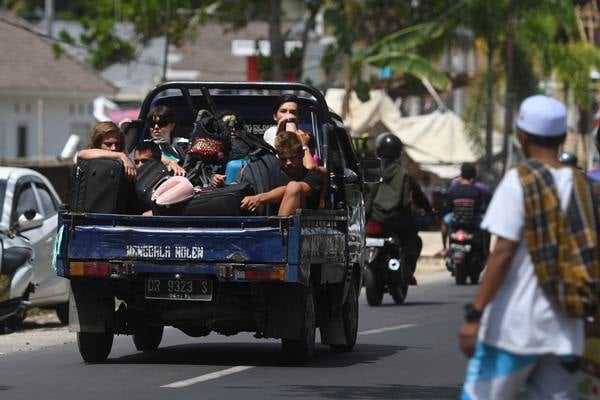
column 403, row 352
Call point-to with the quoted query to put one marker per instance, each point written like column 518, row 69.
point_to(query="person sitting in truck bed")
column 107, row 141
column 162, row 124
column 303, row 186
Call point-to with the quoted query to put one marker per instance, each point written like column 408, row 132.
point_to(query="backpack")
column 563, row 247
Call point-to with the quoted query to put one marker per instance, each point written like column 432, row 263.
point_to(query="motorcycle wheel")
column 475, row 270
column 460, row 274
column 303, row 348
column 374, row 295
column 350, row 318
column 399, row 293
column 94, row 347
column 147, row 338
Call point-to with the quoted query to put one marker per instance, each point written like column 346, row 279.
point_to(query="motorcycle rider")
column 396, row 196
column 466, row 203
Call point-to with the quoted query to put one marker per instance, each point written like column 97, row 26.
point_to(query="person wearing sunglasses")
column 107, row 141
column 162, row 124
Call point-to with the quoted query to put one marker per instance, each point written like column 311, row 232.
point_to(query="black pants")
column 411, row 245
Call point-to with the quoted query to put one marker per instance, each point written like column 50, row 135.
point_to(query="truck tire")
column 147, row 338
column 94, row 347
column 303, row 349
column 399, row 292
column 374, row 295
column 350, row 320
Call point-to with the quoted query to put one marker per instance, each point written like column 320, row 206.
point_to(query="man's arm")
column 497, row 268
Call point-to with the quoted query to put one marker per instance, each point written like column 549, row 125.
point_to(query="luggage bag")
column 223, row 201
column 99, row 185
column 149, row 177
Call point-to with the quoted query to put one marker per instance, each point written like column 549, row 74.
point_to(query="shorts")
column 493, row 373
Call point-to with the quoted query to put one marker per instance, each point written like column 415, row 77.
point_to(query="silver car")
column 26, row 189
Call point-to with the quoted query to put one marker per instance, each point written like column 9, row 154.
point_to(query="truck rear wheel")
column 303, row 349
column 147, row 338
column 94, row 346
column 350, row 319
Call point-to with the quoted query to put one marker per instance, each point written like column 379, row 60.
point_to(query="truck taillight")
column 374, row 228
column 80, row 268
column 276, row 274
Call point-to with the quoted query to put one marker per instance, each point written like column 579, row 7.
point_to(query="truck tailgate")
column 200, row 239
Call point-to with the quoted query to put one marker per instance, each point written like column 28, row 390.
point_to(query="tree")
column 380, row 34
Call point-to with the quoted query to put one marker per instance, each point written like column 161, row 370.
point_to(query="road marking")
column 386, row 329
column 207, row 377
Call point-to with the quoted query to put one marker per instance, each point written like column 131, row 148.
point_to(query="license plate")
column 179, row 289
column 375, row 242
column 466, row 247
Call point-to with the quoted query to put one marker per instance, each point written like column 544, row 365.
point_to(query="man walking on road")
column 523, row 338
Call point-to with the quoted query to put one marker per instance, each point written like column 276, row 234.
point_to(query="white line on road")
column 386, row 329
column 207, row 377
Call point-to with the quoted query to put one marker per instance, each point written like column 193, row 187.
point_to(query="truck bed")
column 219, row 246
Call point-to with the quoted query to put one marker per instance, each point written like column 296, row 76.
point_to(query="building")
column 44, row 97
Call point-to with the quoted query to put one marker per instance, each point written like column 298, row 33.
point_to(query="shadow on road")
column 416, row 303
column 257, row 354
column 28, row 326
column 366, row 392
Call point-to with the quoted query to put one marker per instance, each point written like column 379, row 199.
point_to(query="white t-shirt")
column 269, row 135
column 520, row 318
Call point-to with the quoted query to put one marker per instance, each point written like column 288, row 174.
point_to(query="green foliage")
column 290, row 65
column 573, row 62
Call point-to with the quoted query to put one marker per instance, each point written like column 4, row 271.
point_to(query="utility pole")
column 49, row 16
column 510, row 95
column 166, row 52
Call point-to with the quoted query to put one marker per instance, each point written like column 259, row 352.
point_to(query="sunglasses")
column 161, row 124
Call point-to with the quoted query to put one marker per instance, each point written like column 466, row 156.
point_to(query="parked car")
column 26, row 189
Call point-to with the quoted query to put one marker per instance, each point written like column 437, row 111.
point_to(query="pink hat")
column 176, row 189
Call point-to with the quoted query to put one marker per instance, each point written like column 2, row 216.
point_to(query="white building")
column 44, row 98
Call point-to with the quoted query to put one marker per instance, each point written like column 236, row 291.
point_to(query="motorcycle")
column 465, row 256
column 385, row 268
column 16, row 275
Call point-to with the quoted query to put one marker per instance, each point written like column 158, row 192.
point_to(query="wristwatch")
column 472, row 314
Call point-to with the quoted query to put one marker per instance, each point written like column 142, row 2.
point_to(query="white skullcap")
column 542, row 116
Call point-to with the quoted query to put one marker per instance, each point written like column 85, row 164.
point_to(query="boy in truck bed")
column 303, row 186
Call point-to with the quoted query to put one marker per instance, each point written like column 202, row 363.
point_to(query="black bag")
column 264, row 174
column 223, row 201
column 148, row 177
column 99, row 185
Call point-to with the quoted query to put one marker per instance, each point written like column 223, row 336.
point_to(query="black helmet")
column 568, row 158
column 388, row 146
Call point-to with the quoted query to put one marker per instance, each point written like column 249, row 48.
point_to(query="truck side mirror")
column 371, row 169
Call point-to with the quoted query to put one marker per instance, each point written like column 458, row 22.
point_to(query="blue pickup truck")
column 279, row 277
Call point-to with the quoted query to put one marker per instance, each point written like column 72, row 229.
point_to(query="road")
column 403, row 352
